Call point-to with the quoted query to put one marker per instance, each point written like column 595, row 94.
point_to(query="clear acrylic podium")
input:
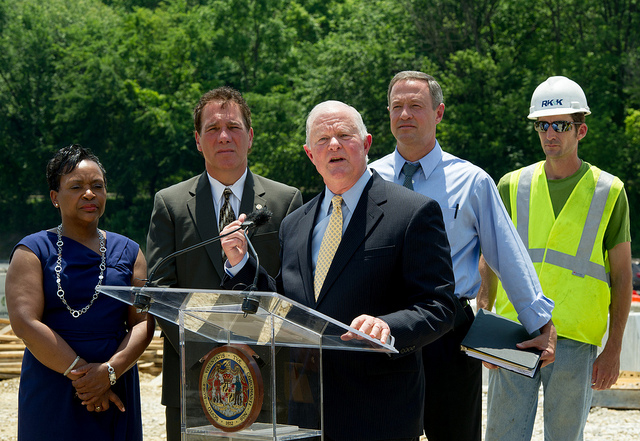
column 283, row 342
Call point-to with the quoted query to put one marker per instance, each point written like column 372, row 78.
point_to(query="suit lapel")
column 201, row 208
column 252, row 197
column 364, row 219
column 304, row 235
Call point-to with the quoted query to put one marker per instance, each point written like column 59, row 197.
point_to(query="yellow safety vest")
column 567, row 252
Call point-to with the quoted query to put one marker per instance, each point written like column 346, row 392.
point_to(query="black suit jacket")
column 393, row 262
column 183, row 215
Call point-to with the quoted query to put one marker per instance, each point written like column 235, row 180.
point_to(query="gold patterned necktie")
column 226, row 212
column 330, row 242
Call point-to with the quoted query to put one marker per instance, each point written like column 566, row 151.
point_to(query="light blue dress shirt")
column 475, row 219
column 350, row 200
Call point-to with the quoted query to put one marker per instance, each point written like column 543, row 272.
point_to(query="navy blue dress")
column 47, row 406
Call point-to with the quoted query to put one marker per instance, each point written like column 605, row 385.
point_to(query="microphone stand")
column 186, row 250
column 250, row 302
column 142, row 302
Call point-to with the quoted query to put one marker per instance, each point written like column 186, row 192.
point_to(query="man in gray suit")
column 195, row 210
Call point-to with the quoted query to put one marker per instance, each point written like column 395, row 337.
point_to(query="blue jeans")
column 513, row 398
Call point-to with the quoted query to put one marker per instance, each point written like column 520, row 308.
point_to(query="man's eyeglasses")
column 558, row 126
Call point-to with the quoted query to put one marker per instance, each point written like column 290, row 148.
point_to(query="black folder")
column 493, row 338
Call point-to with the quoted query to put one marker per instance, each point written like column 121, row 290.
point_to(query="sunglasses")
column 558, row 126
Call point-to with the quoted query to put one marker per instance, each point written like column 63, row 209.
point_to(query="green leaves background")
column 122, row 77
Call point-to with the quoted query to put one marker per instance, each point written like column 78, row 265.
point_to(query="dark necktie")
column 409, row 170
column 226, row 212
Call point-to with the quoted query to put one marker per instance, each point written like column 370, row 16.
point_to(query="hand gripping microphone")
column 254, row 220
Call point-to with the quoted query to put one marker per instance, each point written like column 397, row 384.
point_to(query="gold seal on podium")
column 231, row 389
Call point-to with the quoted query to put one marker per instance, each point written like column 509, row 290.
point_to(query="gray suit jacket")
column 183, row 215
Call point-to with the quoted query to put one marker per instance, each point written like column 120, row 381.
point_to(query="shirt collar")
column 429, row 162
column 217, row 188
column 349, row 197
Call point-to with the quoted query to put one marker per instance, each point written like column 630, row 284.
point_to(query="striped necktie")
column 330, row 243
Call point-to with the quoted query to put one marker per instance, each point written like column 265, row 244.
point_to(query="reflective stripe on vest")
column 580, row 264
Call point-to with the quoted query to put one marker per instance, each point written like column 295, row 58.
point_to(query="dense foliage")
column 122, row 77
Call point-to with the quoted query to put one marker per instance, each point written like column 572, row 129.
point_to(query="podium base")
column 256, row 432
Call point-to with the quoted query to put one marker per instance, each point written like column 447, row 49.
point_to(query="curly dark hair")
column 65, row 160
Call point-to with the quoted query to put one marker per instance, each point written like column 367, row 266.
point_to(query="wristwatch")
column 112, row 374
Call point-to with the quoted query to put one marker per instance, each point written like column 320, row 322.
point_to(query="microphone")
column 254, row 219
column 257, row 218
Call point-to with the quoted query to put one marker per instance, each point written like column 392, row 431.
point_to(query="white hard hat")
column 558, row 96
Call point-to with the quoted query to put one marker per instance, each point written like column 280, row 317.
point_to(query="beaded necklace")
column 75, row 313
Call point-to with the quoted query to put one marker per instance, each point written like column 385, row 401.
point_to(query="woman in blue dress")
column 79, row 378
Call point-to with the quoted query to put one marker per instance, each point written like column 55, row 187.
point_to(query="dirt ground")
column 603, row 424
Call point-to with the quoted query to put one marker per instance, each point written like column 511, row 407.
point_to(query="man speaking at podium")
column 369, row 253
column 194, row 210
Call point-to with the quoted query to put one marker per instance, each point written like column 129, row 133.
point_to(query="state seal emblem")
column 231, row 388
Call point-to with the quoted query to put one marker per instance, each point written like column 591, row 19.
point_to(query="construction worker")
column 574, row 220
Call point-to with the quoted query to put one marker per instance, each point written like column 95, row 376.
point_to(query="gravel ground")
column 152, row 410
column 603, row 424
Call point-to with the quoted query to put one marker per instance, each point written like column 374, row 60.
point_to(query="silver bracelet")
column 72, row 366
column 112, row 374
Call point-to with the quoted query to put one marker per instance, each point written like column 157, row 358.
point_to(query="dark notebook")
column 493, row 338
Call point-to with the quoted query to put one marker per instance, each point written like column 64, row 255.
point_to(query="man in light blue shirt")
column 475, row 220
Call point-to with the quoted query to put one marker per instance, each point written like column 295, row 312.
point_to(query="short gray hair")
column 362, row 129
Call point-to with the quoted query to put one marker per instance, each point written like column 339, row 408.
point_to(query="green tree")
column 122, row 77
